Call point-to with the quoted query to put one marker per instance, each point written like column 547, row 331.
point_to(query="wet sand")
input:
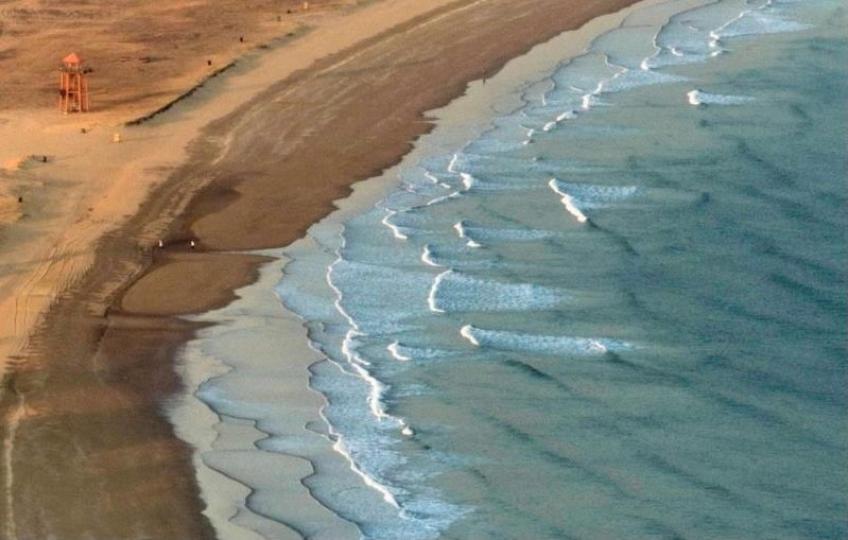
column 257, row 474
column 86, row 448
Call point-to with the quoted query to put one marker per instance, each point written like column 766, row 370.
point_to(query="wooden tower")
column 73, row 85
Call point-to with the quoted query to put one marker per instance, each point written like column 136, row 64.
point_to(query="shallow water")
column 618, row 311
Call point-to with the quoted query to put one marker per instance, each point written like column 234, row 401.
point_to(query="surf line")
column 376, row 390
column 427, row 257
column 568, row 201
column 431, row 297
column 460, row 228
column 394, row 228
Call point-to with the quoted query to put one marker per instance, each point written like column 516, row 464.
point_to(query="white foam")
column 634, row 78
column 394, row 350
column 567, row 115
column 715, row 40
column 328, row 276
column 697, row 97
column 700, row 44
column 376, row 388
column 461, row 231
column 568, row 202
column 467, row 180
column 430, row 176
column 459, row 226
column 487, row 234
column 459, row 292
column 751, row 22
column 598, row 346
column 427, row 257
column 431, row 296
column 694, row 97
column 523, row 342
column 443, row 198
column 586, row 196
column 418, row 354
column 341, row 448
column 645, row 65
column 394, row 228
column 452, row 164
column 349, row 345
column 467, row 332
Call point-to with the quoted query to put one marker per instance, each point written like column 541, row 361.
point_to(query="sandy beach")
column 88, row 303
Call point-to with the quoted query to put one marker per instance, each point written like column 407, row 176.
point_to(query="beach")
column 248, row 161
column 600, row 299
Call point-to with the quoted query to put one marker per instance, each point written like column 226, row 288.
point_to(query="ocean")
column 613, row 306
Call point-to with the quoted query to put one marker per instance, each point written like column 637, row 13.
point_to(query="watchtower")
column 73, row 85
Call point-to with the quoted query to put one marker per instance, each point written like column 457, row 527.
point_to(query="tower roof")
column 72, row 59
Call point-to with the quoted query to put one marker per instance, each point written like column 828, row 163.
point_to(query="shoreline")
column 112, row 353
column 220, row 382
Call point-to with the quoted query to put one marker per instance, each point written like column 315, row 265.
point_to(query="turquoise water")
column 620, row 311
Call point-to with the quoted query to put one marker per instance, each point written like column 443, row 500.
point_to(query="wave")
column 359, row 450
column 480, row 168
column 396, row 231
column 452, row 291
column 459, row 227
column 493, row 234
column 443, row 256
column 453, row 163
column 430, row 176
column 431, row 296
column 468, row 181
column 407, row 353
column 501, row 183
column 340, row 446
column 443, row 198
column 698, row 35
column 597, row 196
column 534, row 343
column 757, row 22
column 427, row 256
column 697, row 97
column 397, row 354
column 568, row 202
column 578, row 197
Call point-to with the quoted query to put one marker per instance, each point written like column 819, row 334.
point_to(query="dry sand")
column 143, row 53
column 273, row 143
column 89, row 185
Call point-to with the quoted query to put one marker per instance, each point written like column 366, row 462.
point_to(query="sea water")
column 618, row 311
